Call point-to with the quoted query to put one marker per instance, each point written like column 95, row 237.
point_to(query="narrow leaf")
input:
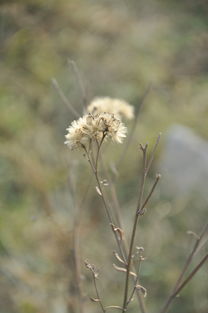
column 122, row 269
column 98, row 190
column 95, row 299
column 118, row 257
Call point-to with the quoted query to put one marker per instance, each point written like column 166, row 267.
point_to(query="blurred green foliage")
column 120, row 47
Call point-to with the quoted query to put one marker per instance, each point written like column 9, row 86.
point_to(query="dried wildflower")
column 75, row 137
column 94, row 127
column 114, row 106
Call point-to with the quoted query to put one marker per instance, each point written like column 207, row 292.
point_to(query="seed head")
column 95, row 127
column 114, row 106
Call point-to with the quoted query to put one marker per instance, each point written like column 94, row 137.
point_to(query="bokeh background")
column 120, row 49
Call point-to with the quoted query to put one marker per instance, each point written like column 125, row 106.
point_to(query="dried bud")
column 142, row 289
column 92, row 268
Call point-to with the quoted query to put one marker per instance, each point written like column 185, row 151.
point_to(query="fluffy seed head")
column 114, row 106
column 94, row 127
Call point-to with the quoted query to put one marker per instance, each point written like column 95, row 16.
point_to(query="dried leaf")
column 118, row 230
column 98, row 190
column 122, row 269
column 140, row 249
column 95, row 299
column 118, row 257
column 104, row 182
column 143, row 290
column 114, row 169
column 114, row 307
column 190, row 232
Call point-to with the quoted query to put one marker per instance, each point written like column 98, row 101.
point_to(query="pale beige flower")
column 110, row 105
column 75, row 137
column 95, row 127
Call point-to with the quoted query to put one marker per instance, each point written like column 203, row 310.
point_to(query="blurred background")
column 51, row 218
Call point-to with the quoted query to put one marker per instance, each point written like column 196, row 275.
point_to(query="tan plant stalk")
column 178, row 286
column 140, row 210
column 144, row 152
column 186, row 281
column 94, row 167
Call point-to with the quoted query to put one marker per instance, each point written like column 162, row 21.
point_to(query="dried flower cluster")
column 115, row 106
column 94, row 127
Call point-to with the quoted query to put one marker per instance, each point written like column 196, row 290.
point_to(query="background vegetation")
column 120, row 48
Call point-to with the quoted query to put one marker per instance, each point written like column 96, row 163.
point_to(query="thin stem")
column 95, row 171
column 117, row 207
column 103, row 197
column 135, row 283
column 186, row 281
column 188, row 262
column 97, row 293
column 189, row 259
column 152, row 155
column 76, row 246
column 124, row 241
column 131, row 296
column 150, row 193
column 137, row 114
column 109, row 216
column 80, row 81
column 64, row 98
column 144, row 150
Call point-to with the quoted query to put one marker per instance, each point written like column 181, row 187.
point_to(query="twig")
column 158, row 176
column 94, row 273
column 189, row 259
column 76, row 237
column 80, row 81
column 144, row 152
column 94, row 168
column 64, row 98
column 153, row 153
column 125, row 244
column 186, row 281
column 137, row 113
column 136, row 282
column 115, row 200
column 188, row 262
column 97, row 293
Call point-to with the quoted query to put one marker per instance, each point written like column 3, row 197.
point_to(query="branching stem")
column 186, row 281
column 144, row 151
column 188, row 262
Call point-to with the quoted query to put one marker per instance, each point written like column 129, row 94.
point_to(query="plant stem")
column 97, row 293
column 158, row 176
column 137, row 114
column 144, row 150
column 186, row 281
column 64, row 98
column 94, row 168
column 125, row 244
column 188, row 261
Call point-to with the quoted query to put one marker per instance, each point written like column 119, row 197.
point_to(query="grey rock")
column 184, row 162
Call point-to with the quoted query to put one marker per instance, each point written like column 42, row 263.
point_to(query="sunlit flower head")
column 110, row 105
column 75, row 137
column 95, row 127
